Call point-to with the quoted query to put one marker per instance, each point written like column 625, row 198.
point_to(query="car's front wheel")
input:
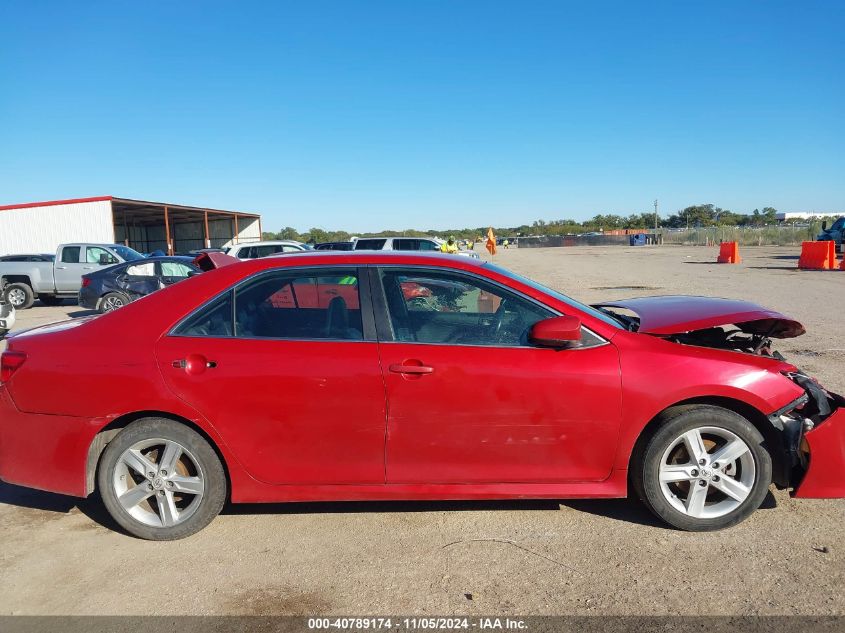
column 161, row 480
column 704, row 469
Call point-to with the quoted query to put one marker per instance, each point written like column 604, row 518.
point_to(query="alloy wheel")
column 112, row 303
column 16, row 297
column 158, row 482
column 707, row 472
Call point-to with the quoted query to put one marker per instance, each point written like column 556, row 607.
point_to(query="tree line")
column 694, row 216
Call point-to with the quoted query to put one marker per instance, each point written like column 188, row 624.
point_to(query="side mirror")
column 824, row 225
column 106, row 259
column 556, row 332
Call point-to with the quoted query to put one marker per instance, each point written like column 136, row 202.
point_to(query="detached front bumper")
column 824, row 478
column 7, row 317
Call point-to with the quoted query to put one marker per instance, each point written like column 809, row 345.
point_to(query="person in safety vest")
column 450, row 246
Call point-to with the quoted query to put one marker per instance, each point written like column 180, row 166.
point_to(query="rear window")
column 70, row 254
column 370, row 245
column 284, row 305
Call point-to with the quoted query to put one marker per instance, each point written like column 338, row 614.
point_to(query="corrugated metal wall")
column 42, row 229
column 248, row 230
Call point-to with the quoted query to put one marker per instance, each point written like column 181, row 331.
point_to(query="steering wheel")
column 499, row 319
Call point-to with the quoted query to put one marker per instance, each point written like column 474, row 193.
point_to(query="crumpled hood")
column 678, row 314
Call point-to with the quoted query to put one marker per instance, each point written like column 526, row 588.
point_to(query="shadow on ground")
column 82, row 313
column 625, row 510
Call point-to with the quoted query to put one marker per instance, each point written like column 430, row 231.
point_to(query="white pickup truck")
column 60, row 279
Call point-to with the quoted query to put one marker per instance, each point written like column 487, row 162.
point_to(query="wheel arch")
column 771, row 436
column 107, row 433
column 18, row 279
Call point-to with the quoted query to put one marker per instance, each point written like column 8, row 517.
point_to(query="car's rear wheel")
column 112, row 301
column 20, row 296
column 704, row 469
column 161, row 480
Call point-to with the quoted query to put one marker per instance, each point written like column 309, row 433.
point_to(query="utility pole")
column 655, row 221
column 655, row 217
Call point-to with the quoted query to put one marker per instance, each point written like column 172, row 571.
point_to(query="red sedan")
column 341, row 376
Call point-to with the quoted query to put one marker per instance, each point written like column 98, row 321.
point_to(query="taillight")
column 10, row 362
column 86, row 282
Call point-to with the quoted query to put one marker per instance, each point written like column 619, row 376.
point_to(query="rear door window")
column 285, row 305
column 264, row 251
column 70, row 254
column 214, row 319
column 297, row 306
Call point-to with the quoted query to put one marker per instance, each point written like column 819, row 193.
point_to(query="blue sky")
column 427, row 114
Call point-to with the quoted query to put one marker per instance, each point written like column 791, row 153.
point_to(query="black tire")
column 110, row 301
column 209, row 469
column 50, row 300
column 755, row 467
column 22, row 293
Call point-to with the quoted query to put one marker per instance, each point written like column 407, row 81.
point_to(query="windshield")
column 127, row 254
column 554, row 293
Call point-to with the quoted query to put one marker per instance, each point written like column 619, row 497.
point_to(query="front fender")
column 657, row 375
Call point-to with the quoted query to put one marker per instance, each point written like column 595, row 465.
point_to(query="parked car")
column 424, row 244
column 7, row 314
column 836, row 233
column 28, row 258
column 254, row 250
column 315, row 377
column 60, row 278
column 335, row 246
column 116, row 286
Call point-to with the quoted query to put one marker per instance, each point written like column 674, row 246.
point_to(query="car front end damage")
column 810, row 431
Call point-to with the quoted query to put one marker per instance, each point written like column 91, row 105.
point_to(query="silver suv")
column 403, row 244
column 254, row 250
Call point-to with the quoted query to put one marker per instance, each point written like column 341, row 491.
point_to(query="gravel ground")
column 58, row 555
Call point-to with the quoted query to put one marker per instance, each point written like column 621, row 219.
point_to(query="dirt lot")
column 588, row 557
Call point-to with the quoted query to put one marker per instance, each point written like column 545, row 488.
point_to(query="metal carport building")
column 39, row 227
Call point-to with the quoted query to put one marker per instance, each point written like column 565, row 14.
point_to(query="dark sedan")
column 113, row 287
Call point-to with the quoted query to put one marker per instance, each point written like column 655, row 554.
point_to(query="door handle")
column 194, row 364
column 61, row 267
column 411, row 369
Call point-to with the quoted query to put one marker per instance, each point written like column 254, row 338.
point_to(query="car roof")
column 91, row 244
column 375, row 257
column 398, row 237
column 267, row 243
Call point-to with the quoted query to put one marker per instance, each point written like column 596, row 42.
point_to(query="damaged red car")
column 364, row 376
